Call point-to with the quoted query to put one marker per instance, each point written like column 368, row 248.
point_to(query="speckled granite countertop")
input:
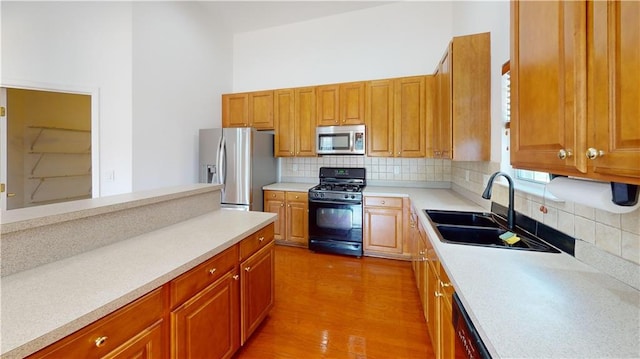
column 37, row 308
column 289, row 186
column 530, row 304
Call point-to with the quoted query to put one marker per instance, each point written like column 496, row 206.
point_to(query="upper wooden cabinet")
column 253, row 109
column 396, row 116
column 340, row 104
column 295, row 122
column 462, row 124
column 574, row 92
column 613, row 116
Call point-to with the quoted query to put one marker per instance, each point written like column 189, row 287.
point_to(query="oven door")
column 329, row 220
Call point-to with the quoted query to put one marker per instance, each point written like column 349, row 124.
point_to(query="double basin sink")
column 481, row 229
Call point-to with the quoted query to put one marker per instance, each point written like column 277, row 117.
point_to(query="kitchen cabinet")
column 418, row 258
column 275, row 202
column 462, row 123
column 257, row 276
column 384, row 227
column 574, row 93
column 292, row 226
column 209, row 311
column 252, row 109
column 136, row 330
column 295, row 122
column 205, row 304
column 341, row 104
column 396, row 116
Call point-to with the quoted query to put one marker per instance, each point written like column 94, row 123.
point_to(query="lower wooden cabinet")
column 384, row 227
column 292, row 225
column 436, row 293
column 134, row 331
column 207, row 312
column 258, row 294
column 207, row 325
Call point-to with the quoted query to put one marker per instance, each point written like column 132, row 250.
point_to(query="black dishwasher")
column 468, row 342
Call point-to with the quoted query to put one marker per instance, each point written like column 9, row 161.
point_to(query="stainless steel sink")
column 481, row 229
column 476, row 219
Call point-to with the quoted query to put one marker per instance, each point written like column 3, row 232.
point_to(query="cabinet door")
column 410, row 124
column 298, row 218
column 548, row 85
column 207, row 325
column 235, row 110
column 261, row 110
column 433, row 306
column 447, row 332
column 328, row 105
column 615, row 91
column 442, row 148
column 352, row 103
column 305, row 122
column 284, row 120
column 383, row 230
column 379, row 118
column 257, row 278
column 274, row 202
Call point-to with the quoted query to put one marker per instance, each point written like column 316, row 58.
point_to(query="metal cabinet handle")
column 382, row 202
column 236, row 277
column 437, row 294
column 593, row 153
column 444, row 285
column 564, row 154
column 212, row 270
column 261, row 239
column 100, row 341
column 247, row 269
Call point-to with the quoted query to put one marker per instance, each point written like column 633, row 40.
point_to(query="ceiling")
column 244, row 16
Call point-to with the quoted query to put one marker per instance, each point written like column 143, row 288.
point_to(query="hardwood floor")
column 330, row 306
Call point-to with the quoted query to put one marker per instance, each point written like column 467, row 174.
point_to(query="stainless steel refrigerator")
column 241, row 159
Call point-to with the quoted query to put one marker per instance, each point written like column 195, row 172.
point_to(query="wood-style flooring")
column 329, row 306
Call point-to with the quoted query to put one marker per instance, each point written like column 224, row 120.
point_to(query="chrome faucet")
column 511, row 214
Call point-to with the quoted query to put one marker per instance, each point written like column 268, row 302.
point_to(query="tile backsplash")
column 616, row 234
column 379, row 170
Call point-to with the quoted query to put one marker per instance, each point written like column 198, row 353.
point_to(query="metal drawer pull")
column 236, row 277
column 437, row 294
column 212, row 270
column 444, row 285
column 261, row 239
column 100, row 341
column 247, row 269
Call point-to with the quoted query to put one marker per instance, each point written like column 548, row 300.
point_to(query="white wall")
column 181, row 65
column 77, row 45
column 400, row 39
column 492, row 16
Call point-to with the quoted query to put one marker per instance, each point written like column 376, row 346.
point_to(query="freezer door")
column 210, row 140
column 236, row 166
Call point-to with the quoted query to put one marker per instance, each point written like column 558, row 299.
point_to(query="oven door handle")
column 334, row 202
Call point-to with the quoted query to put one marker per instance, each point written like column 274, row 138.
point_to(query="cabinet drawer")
column 274, row 195
column 201, row 276
column 252, row 243
column 394, row 202
column 297, row 196
column 107, row 334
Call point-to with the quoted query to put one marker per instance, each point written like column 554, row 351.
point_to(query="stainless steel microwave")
column 340, row 140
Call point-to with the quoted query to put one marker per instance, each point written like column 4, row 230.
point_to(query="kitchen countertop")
column 37, row 308
column 289, row 186
column 532, row 304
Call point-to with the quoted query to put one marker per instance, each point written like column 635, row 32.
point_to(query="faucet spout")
column 511, row 214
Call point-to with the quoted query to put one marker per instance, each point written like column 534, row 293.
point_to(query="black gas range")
column 335, row 211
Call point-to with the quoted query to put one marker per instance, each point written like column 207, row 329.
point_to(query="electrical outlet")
column 109, row 176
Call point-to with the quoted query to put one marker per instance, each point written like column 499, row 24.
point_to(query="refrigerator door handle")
column 223, row 162
column 219, row 162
